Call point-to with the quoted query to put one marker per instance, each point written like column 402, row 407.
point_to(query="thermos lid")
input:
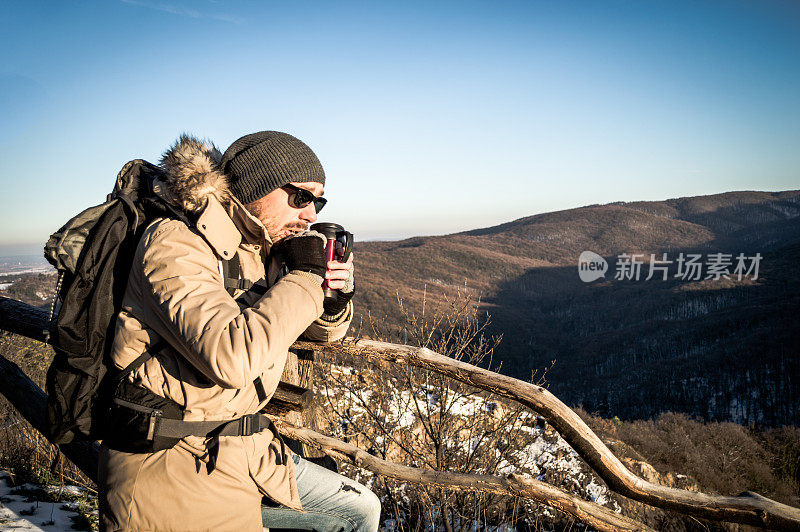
column 329, row 229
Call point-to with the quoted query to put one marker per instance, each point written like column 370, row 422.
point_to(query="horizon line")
column 390, row 238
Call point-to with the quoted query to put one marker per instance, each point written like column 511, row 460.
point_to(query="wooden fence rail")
column 747, row 508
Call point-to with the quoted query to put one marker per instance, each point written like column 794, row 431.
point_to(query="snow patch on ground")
column 21, row 509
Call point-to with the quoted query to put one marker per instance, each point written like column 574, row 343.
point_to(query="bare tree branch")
column 590, row 513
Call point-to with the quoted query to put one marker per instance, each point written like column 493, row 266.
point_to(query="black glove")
column 333, row 306
column 305, row 253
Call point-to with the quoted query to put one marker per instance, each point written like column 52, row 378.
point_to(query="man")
column 219, row 356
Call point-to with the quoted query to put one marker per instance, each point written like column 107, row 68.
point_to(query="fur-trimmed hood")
column 193, row 174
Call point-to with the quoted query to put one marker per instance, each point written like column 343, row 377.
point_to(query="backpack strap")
column 164, row 426
column 246, row 425
column 133, row 366
column 232, row 274
column 231, row 270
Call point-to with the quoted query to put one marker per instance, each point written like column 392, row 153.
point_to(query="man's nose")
column 309, row 213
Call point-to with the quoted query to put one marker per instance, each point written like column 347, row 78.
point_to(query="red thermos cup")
column 334, row 233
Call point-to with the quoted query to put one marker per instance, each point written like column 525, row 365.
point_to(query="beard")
column 275, row 231
column 276, row 234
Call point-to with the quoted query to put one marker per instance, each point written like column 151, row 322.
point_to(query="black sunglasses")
column 300, row 198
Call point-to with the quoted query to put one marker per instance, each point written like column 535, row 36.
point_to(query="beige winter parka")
column 217, row 349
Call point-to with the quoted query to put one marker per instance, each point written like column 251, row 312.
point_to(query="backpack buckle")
column 250, row 424
column 155, row 418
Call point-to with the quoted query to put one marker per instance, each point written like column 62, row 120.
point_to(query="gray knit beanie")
column 258, row 163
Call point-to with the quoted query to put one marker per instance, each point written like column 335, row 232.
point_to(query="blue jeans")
column 333, row 503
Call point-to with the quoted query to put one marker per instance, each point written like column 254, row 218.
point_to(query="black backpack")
column 92, row 253
column 86, row 399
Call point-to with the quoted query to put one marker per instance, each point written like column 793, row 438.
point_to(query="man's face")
column 279, row 216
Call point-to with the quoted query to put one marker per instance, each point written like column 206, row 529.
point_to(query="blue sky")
column 428, row 117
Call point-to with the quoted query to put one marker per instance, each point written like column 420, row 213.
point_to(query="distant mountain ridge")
column 724, row 350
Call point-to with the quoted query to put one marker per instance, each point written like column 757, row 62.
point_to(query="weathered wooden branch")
column 23, row 319
column 747, row 508
column 523, row 486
